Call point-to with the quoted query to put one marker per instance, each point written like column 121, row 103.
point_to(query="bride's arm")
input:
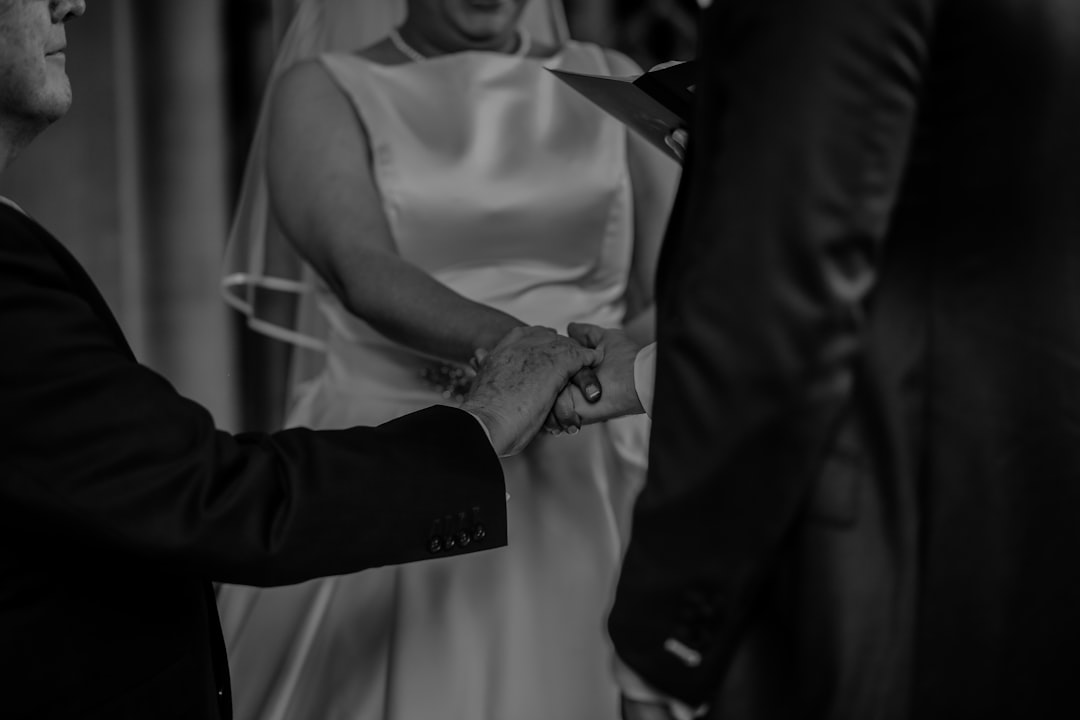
column 324, row 197
column 654, row 178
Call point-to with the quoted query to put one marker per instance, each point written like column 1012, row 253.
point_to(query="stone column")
column 173, row 192
column 133, row 182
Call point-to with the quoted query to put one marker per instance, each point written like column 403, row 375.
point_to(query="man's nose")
column 64, row 10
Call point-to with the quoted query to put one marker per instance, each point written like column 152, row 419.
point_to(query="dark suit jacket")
column 120, row 502
column 864, row 488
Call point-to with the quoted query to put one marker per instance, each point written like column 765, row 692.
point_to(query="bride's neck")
column 431, row 44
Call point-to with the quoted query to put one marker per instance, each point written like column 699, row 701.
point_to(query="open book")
column 653, row 104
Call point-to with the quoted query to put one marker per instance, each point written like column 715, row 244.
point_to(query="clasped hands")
column 599, row 392
column 535, row 378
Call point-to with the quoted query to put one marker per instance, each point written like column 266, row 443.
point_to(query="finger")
column 478, row 358
column 586, row 381
column 587, row 414
column 589, row 336
column 669, row 63
column 575, row 358
column 551, row 425
column 565, row 416
column 593, row 357
column 676, row 147
column 511, row 337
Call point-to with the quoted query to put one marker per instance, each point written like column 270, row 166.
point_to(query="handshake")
column 535, row 378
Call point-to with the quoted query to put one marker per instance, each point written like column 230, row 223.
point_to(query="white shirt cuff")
column 645, row 376
column 634, row 688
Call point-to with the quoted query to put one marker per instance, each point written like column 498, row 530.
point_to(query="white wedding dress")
column 512, row 190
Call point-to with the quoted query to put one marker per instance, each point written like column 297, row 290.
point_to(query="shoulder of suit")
column 11, row 204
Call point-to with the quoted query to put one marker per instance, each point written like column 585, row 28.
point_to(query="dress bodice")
column 513, row 191
column 498, row 180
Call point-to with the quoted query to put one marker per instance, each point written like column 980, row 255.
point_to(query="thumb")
column 587, row 335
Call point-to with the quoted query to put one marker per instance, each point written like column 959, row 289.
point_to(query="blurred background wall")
column 139, row 179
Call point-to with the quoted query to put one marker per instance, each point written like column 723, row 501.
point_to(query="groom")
column 864, row 476
column 120, row 501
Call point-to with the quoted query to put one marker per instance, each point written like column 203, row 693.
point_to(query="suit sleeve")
column 103, row 453
column 805, row 116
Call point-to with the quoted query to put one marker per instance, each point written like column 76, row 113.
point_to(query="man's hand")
column 616, row 374
column 633, row 710
column 517, row 383
column 677, row 141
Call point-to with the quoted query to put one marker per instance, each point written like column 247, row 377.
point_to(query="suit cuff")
column 487, row 432
column 634, row 688
column 483, row 425
column 645, row 376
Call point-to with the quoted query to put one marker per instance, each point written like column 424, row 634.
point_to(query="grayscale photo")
column 539, row 359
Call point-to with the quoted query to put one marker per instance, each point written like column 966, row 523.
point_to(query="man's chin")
column 56, row 105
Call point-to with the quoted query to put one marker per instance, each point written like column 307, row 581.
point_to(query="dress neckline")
column 447, row 57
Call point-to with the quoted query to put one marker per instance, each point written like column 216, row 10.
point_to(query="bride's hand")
column 564, row 417
column 615, row 375
column 518, row 381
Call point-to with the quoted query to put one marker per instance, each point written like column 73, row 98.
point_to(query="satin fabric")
column 261, row 270
column 513, row 191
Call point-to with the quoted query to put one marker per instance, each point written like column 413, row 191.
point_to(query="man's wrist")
column 484, row 426
column 485, row 418
column 489, row 421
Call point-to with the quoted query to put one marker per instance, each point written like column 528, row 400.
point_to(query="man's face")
column 34, row 86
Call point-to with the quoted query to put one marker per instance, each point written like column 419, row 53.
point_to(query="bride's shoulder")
column 317, row 79
column 383, row 52
column 599, row 58
column 305, row 73
column 619, row 63
column 542, row 50
column 306, row 84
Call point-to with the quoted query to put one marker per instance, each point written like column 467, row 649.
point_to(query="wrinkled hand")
column 564, row 416
column 615, row 375
column 518, row 381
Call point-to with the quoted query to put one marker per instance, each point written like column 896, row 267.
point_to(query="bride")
column 441, row 188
